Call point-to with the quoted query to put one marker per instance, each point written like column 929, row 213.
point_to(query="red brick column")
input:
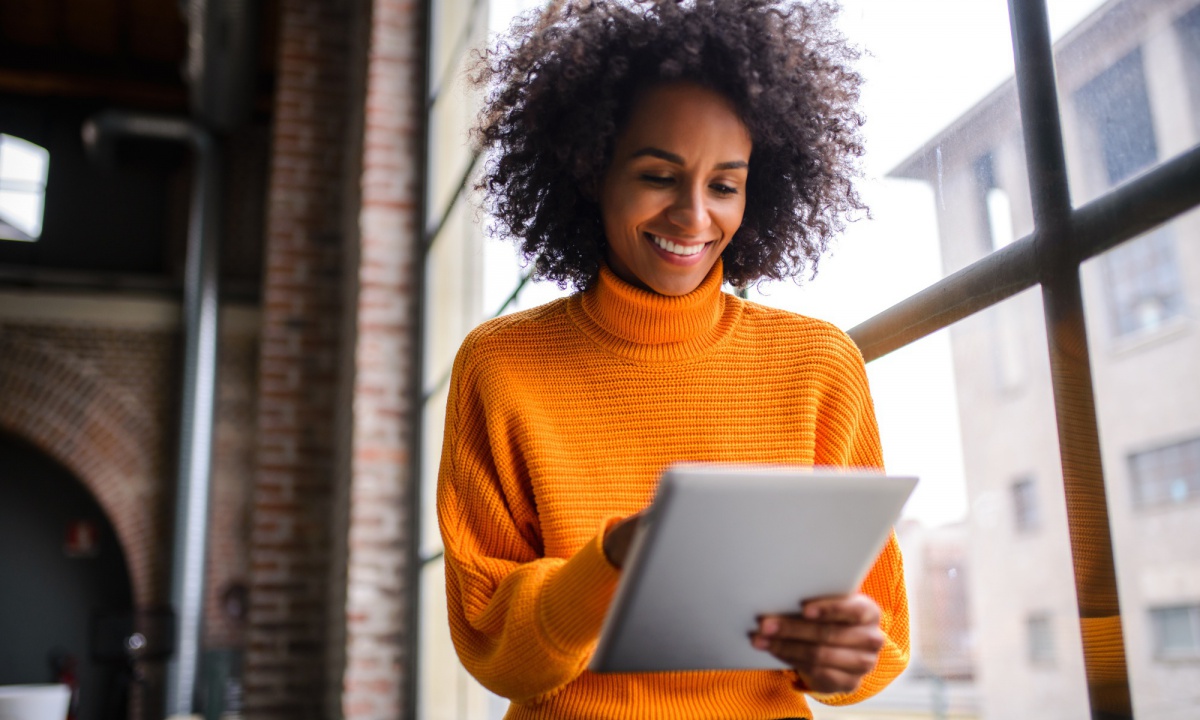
column 378, row 573
column 290, row 525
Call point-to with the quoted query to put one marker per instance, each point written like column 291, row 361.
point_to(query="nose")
column 689, row 211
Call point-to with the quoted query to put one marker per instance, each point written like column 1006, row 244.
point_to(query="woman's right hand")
column 618, row 539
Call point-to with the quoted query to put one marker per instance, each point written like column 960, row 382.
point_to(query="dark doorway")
column 61, row 568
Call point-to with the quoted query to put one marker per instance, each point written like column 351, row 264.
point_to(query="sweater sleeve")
column 852, row 440
column 524, row 625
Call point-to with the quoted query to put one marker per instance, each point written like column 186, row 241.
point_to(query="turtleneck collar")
column 644, row 325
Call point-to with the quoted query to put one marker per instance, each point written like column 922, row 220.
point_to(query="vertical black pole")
column 412, row 685
column 1070, row 366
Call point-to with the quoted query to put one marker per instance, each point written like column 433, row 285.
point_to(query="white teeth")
column 671, row 247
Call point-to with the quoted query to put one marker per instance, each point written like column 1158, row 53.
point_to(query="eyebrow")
column 677, row 160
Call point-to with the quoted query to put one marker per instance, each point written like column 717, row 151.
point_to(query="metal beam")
column 1140, row 204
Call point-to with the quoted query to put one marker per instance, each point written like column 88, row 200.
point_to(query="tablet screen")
column 722, row 545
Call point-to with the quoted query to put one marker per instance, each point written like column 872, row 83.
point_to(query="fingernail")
column 760, row 642
column 812, row 612
column 769, row 627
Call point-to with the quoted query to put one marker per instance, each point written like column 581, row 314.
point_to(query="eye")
column 723, row 190
column 659, row 180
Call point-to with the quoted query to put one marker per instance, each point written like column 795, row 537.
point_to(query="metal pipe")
column 200, row 317
column 1070, row 366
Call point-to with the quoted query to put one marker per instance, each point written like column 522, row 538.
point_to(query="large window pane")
column 1148, row 402
column 996, row 631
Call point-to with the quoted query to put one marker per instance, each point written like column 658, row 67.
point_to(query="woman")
column 645, row 153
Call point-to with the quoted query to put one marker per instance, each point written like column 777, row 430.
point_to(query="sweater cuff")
column 576, row 600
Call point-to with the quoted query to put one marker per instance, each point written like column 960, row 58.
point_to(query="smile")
column 676, row 249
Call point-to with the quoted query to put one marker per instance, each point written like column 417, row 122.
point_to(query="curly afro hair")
column 561, row 85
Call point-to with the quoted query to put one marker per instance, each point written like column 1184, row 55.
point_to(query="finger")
column 855, row 609
column 828, row 680
column 785, row 627
column 810, row 658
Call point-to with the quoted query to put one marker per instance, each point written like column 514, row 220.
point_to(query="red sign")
column 83, row 539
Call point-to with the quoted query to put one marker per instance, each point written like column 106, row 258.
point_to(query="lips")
column 676, row 248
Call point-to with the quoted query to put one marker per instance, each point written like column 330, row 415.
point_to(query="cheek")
column 731, row 219
column 623, row 212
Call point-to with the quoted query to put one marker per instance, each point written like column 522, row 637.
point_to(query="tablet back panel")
column 723, row 545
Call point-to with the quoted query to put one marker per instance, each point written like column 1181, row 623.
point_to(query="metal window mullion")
column 432, row 232
column 1070, row 366
column 414, row 558
column 990, row 280
column 444, row 378
column 1139, row 205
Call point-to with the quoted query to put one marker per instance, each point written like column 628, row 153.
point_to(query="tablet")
column 722, row 545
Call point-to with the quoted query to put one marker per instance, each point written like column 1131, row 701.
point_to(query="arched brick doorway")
column 64, row 408
column 66, row 582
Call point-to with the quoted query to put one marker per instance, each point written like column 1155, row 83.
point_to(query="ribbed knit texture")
column 560, row 421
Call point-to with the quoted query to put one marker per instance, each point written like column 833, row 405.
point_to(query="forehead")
column 681, row 117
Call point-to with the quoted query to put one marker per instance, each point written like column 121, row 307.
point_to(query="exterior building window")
column 997, row 209
column 1117, row 110
column 23, row 170
column 1026, row 512
column 1166, row 475
column 1040, row 638
column 1188, row 27
column 1144, row 284
column 1142, row 275
column 1176, row 632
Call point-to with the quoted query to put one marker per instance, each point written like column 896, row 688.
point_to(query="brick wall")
column 379, row 575
column 328, row 627
column 233, row 472
column 290, row 557
column 99, row 395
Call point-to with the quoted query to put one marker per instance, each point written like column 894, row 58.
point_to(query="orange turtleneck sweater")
column 560, row 420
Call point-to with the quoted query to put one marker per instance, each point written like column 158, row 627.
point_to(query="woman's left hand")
column 832, row 643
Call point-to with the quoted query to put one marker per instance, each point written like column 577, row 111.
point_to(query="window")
column 971, row 174
column 1144, row 285
column 23, row 170
column 1026, row 514
column 1142, row 275
column 1040, row 639
column 1188, row 28
column 1166, row 475
column 1176, row 632
column 996, row 205
column 1117, row 109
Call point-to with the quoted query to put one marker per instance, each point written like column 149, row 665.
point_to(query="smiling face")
column 676, row 189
